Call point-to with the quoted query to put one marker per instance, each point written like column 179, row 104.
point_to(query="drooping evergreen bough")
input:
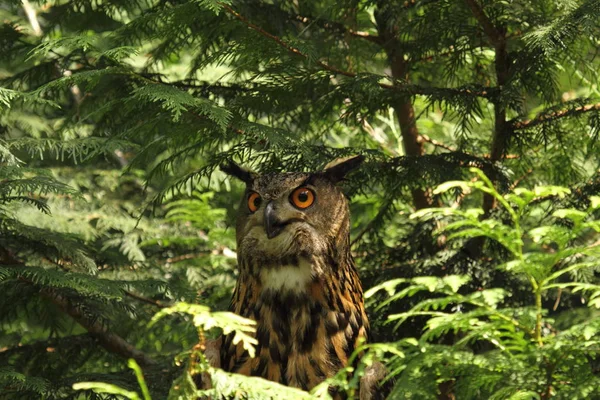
column 114, row 115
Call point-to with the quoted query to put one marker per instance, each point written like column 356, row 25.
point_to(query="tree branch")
column 403, row 107
column 520, row 179
column 439, row 144
column 212, row 87
column 410, row 89
column 547, row 116
column 501, row 135
column 109, row 340
column 32, row 17
column 49, row 345
column 366, row 229
column 145, row 299
column 337, row 27
column 221, row 250
column 495, row 36
column 282, row 43
column 425, row 138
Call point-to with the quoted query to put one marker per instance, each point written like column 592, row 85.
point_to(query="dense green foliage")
column 115, row 114
column 527, row 353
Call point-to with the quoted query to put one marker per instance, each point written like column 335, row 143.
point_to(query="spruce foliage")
column 115, row 114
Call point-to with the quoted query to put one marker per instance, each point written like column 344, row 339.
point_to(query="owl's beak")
column 273, row 226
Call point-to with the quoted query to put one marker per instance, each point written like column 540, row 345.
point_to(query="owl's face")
column 290, row 215
column 286, row 217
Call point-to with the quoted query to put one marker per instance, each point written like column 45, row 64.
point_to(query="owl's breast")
column 287, row 278
column 308, row 325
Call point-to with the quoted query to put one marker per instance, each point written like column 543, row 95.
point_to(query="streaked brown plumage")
column 297, row 278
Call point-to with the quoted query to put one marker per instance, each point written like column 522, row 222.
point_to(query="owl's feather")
column 300, row 285
column 305, row 334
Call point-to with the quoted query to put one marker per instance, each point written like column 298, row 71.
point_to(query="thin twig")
column 501, row 135
column 210, row 86
column 333, row 26
column 453, row 49
column 557, row 302
column 546, row 116
column 183, row 257
column 62, row 266
column 436, row 143
column 145, row 299
column 49, row 345
column 520, row 179
column 223, row 251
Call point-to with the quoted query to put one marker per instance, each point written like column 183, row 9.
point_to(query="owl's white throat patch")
column 294, row 278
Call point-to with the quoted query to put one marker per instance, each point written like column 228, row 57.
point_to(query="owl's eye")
column 254, row 201
column 302, row 198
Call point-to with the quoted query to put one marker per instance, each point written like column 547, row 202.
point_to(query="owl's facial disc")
column 281, row 217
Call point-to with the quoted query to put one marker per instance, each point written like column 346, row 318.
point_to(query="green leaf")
column 140, row 378
column 570, row 213
column 594, row 202
column 100, row 387
column 551, row 234
column 455, row 282
column 213, row 5
column 545, row 191
column 465, row 187
column 204, row 319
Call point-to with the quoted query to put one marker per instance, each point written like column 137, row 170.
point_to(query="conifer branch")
column 224, row 251
column 404, row 108
column 211, row 86
column 425, row 138
column 411, row 89
column 520, row 179
column 282, row 43
column 501, row 135
column 410, row 4
column 145, row 299
column 364, row 231
column 494, row 35
column 548, row 116
column 462, row 49
column 337, row 27
column 436, row 143
column 107, row 339
column 50, row 345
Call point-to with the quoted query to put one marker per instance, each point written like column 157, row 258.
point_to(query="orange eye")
column 254, row 201
column 302, row 198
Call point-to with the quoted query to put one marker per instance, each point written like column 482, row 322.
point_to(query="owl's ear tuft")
column 231, row 168
column 337, row 169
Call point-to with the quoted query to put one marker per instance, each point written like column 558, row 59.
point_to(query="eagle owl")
column 297, row 278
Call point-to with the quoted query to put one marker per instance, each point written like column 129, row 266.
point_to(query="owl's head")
column 285, row 216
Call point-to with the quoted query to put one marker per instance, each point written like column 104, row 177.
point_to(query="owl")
column 297, row 278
